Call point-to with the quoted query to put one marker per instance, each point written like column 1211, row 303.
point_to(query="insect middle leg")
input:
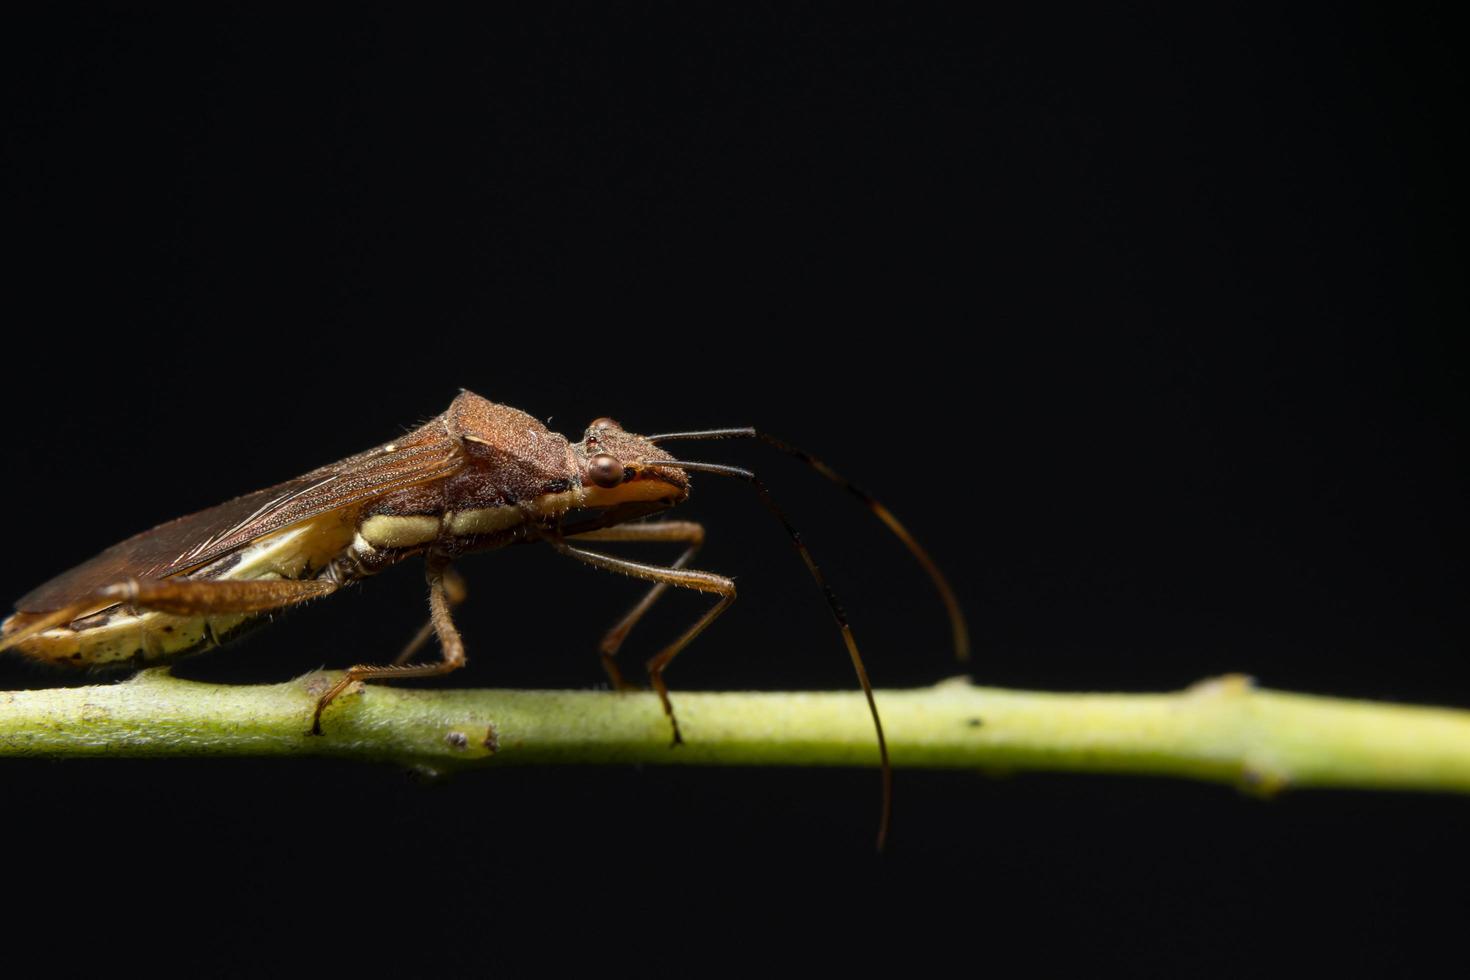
column 687, row 532
column 451, row 645
column 682, row 577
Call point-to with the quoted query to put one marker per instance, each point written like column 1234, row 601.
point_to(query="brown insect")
column 478, row 477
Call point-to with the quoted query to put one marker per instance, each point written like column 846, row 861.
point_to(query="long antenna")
column 956, row 616
column 837, row 614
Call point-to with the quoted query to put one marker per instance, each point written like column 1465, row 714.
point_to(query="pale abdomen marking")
column 387, row 531
column 115, row 635
column 485, row 520
column 489, row 520
column 393, row 531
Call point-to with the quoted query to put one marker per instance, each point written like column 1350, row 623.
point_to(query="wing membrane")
column 423, row 456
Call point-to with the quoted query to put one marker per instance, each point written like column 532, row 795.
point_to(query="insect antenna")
column 837, row 614
column 956, row 616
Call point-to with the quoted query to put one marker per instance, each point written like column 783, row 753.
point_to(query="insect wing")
column 195, row 540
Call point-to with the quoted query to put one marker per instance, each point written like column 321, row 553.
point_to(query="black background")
column 1140, row 319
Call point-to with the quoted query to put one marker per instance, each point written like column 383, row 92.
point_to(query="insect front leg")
column 178, row 597
column 687, row 532
column 681, row 577
column 451, row 644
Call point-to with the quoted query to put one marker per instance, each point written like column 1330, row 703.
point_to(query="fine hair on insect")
column 479, row 477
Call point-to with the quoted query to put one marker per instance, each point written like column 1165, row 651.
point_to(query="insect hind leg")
column 178, row 597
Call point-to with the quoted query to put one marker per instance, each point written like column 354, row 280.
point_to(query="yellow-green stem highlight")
column 1223, row 730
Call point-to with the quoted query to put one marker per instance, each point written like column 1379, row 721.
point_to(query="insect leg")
column 689, row 532
column 832, row 604
column 451, row 646
column 682, row 577
column 180, row 597
column 455, row 592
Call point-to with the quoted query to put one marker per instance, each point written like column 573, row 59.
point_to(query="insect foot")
column 331, row 694
column 478, row 477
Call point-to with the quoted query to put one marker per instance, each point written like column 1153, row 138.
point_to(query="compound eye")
column 605, row 470
column 604, row 423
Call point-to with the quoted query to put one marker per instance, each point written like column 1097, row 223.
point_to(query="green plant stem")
column 1224, row 730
